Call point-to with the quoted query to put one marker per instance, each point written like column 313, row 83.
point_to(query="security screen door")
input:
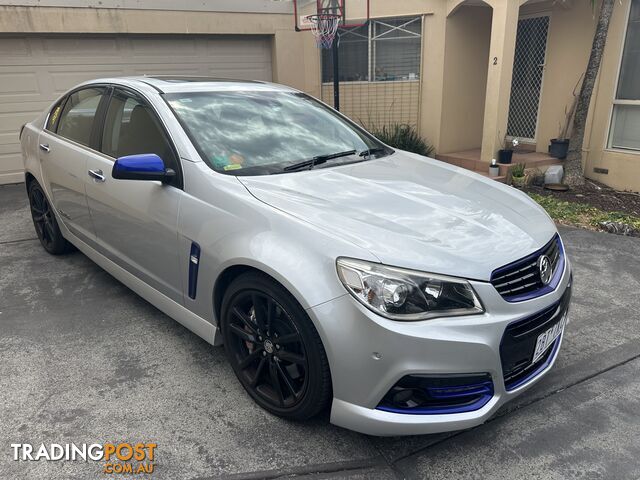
column 528, row 69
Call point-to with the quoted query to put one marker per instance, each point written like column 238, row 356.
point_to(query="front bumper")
column 369, row 354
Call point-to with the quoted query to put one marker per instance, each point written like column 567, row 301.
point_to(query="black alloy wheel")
column 274, row 349
column 45, row 222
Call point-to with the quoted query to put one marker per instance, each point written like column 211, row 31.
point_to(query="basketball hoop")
column 324, row 27
column 324, row 21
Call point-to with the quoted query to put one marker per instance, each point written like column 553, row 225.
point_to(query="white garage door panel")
column 35, row 70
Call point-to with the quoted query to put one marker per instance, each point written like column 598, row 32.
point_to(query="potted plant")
column 518, row 177
column 494, row 169
column 506, row 153
column 559, row 147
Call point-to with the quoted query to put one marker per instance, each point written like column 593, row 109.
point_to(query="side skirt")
column 182, row 315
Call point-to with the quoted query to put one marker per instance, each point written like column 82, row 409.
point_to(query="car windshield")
column 264, row 132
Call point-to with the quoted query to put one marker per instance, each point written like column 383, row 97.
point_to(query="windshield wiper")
column 318, row 159
column 372, row 151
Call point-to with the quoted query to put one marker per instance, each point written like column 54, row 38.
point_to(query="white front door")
column 528, row 70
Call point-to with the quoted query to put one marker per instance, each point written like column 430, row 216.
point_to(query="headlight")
column 407, row 295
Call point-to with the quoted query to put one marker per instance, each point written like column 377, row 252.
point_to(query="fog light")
column 437, row 395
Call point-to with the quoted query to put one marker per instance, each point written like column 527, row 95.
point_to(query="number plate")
column 546, row 339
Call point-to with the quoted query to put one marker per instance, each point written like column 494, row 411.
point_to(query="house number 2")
column 495, row 60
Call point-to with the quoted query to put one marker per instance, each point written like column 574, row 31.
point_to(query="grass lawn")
column 582, row 215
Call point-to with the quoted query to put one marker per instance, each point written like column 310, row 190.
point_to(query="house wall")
column 378, row 103
column 468, row 32
column 568, row 46
column 623, row 166
column 426, row 111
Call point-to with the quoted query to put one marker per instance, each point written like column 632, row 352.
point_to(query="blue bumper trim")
column 478, row 394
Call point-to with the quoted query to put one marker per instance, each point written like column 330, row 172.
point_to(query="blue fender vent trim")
column 437, row 395
column 194, row 263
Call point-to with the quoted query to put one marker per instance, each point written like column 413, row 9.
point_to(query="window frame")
column 373, row 37
column 615, row 101
column 177, row 181
column 62, row 103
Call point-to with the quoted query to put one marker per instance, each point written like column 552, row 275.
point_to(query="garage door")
column 34, row 70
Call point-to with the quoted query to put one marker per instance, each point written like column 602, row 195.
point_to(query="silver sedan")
column 407, row 295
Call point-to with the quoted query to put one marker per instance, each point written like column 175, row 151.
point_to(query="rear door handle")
column 97, row 175
column 45, row 147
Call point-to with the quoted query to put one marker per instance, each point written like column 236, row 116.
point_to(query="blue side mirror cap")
column 144, row 166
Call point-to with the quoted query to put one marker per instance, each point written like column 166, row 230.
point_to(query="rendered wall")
column 623, row 166
column 568, row 47
column 468, row 32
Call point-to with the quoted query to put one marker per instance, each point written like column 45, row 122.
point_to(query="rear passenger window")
column 76, row 119
column 131, row 127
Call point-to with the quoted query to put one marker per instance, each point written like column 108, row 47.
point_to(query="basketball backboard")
column 353, row 14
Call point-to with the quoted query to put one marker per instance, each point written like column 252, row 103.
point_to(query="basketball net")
column 324, row 27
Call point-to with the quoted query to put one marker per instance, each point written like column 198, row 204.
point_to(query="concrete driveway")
column 83, row 359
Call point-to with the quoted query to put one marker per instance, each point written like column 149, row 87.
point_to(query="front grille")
column 520, row 280
column 519, row 342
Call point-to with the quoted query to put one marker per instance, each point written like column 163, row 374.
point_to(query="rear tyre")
column 274, row 349
column 45, row 223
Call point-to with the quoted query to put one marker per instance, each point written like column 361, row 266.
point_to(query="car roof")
column 190, row 83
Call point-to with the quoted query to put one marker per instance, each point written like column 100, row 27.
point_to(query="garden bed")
column 593, row 206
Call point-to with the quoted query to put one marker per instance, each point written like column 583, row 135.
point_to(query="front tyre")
column 274, row 348
column 45, row 223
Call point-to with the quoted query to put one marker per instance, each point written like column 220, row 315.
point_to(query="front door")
column 528, row 70
column 136, row 221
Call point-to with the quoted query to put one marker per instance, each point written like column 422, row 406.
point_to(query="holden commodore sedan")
column 408, row 295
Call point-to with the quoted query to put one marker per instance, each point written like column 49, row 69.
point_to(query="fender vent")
column 194, row 263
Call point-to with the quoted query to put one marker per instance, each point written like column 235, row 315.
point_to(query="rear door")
column 136, row 221
column 64, row 146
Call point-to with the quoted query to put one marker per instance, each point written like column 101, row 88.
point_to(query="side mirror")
column 144, row 166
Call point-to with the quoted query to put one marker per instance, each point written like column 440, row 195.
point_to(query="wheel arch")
column 230, row 273
column 28, row 178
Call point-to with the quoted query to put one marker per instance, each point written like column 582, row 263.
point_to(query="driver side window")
column 131, row 127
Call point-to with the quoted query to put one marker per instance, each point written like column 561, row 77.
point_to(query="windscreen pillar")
column 504, row 28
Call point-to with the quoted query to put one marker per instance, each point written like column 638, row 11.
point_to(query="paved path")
column 83, row 359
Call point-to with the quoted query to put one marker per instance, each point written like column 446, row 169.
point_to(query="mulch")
column 596, row 195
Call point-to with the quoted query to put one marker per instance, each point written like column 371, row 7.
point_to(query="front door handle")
column 45, row 147
column 97, row 175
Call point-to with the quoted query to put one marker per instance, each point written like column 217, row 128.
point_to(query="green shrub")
column 518, row 170
column 404, row 137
